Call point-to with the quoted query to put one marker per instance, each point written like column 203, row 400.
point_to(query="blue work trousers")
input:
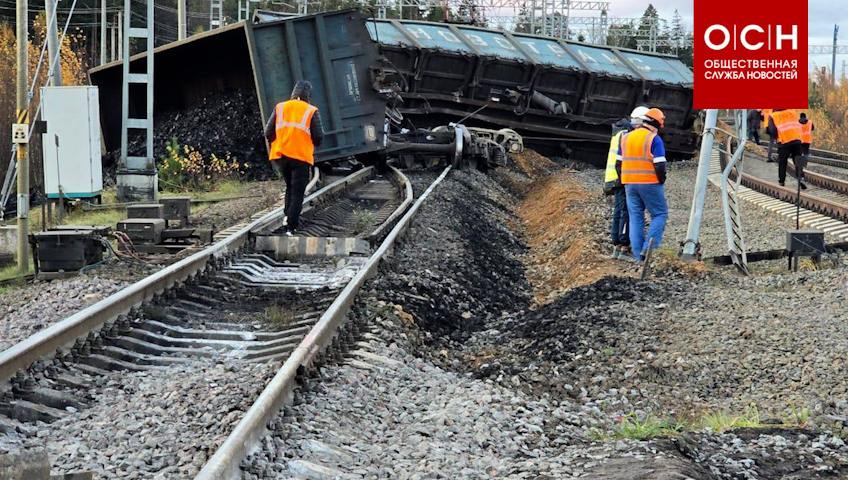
column 649, row 197
column 618, row 229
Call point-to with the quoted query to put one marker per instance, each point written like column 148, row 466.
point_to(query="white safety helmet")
column 638, row 114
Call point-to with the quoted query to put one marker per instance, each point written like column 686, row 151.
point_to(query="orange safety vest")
column 637, row 161
column 807, row 132
column 293, row 139
column 788, row 128
column 766, row 113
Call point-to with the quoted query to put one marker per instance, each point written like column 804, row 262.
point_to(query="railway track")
column 826, row 195
column 254, row 296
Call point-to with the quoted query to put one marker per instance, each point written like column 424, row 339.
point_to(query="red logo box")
column 750, row 54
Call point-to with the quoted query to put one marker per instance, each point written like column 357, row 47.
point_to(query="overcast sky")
column 823, row 15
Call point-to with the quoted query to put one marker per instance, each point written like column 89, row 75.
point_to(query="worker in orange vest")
column 807, row 129
column 785, row 127
column 293, row 132
column 641, row 168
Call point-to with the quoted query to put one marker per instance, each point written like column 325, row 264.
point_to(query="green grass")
column 362, row 220
column 11, row 271
column 719, row 422
column 278, row 316
column 224, row 189
column 631, row 427
column 798, row 416
column 650, row 427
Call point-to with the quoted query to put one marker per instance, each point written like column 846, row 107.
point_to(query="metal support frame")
column 181, row 19
column 134, row 167
column 103, row 24
column 729, row 201
column 216, row 14
column 244, row 9
column 691, row 245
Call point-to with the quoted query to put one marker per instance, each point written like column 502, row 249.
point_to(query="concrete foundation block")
column 30, row 465
column 8, row 242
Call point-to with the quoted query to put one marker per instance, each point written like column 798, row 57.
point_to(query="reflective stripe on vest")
column 611, row 175
column 788, row 128
column 293, row 136
column 807, row 132
column 637, row 161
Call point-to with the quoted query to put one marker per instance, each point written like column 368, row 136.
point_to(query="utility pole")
column 833, row 64
column 102, row 31
column 181, row 19
column 692, row 244
column 21, row 15
column 53, row 43
column 844, row 63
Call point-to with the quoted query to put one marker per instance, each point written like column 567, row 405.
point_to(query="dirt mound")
column 561, row 225
column 532, row 164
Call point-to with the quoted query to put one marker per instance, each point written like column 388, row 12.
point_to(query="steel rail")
column 63, row 333
column 815, row 203
column 224, row 463
column 401, row 182
column 829, row 154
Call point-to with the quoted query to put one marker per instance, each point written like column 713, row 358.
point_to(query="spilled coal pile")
column 223, row 124
column 453, row 275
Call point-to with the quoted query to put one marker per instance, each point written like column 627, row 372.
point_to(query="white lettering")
column 718, row 28
column 556, row 49
column 503, row 43
column 744, row 37
column 531, row 46
column 448, row 36
column 780, row 37
column 418, row 32
column 476, row 40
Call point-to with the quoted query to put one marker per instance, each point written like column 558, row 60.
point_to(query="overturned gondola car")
column 562, row 96
column 378, row 83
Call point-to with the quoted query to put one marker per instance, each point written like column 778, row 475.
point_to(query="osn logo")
column 755, row 57
column 750, row 37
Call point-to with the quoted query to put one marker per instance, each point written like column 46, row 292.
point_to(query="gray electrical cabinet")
column 72, row 144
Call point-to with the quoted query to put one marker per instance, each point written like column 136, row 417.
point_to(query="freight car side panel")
column 334, row 52
column 654, row 68
column 601, row 60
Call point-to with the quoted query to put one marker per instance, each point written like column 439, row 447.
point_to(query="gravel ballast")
column 461, row 320
column 154, row 424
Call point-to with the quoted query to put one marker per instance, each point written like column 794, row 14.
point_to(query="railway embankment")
column 504, row 343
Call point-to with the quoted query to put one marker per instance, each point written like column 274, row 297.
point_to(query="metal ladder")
column 730, row 202
column 216, row 14
column 137, row 174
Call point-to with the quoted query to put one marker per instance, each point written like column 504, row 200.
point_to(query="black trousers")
column 296, row 175
column 783, row 153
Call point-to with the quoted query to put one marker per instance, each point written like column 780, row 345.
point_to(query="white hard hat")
column 639, row 112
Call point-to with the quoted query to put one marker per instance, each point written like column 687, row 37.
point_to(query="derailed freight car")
column 561, row 95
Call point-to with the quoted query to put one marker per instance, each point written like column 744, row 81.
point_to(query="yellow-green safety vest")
column 611, row 175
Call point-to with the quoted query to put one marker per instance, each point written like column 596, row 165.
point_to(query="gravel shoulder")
column 29, row 308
